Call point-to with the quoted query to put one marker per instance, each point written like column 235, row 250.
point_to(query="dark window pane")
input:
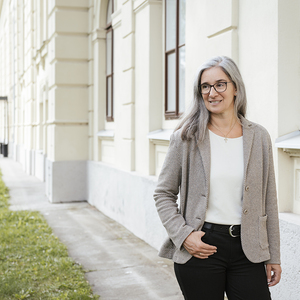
column 171, row 87
column 170, row 24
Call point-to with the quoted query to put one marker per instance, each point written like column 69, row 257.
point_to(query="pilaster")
column 149, row 81
column 127, row 101
column 97, row 109
column 68, row 80
column 221, row 28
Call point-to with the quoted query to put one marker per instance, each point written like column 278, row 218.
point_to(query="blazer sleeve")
column 166, row 192
column 272, row 212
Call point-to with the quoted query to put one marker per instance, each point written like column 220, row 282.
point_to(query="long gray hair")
column 195, row 120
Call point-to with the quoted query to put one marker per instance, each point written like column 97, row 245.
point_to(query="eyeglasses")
column 219, row 87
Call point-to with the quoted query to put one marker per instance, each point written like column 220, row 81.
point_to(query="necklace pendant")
column 226, row 139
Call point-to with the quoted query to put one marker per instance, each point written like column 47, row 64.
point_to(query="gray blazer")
column 187, row 170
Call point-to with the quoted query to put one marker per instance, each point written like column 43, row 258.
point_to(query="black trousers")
column 228, row 270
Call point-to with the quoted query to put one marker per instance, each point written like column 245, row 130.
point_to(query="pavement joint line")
column 116, row 268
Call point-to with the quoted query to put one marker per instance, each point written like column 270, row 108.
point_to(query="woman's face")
column 219, row 103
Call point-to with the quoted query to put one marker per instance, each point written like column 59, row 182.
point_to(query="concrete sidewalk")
column 120, row 265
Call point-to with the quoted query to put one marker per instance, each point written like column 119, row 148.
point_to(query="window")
column 174, row 58
column 109, row 62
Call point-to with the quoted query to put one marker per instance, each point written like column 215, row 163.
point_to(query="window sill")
column 290, row 141
column 106, row 134
column 161, row 136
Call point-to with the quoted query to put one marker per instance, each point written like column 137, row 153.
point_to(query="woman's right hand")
column 194, row 245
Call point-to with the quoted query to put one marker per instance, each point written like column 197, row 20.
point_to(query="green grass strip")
column 34, row 264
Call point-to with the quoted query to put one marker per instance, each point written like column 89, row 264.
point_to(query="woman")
column 224, row 237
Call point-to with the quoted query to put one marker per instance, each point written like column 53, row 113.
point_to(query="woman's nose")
column 212, row 92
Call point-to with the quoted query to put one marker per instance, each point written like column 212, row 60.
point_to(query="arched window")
column 109, row 62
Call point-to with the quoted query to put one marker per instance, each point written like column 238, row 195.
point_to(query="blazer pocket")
column 263, row 234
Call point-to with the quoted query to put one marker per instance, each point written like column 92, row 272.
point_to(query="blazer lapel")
column 248, row 134
column 204, row 148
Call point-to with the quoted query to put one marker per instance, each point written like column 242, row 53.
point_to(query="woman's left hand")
column 274, row 278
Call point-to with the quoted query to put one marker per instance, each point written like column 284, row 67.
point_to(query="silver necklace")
column 225, row 135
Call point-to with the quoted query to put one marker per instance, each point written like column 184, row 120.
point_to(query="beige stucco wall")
column 52, row 69
column 56, row 59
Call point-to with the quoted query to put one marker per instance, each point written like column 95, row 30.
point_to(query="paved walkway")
column 120, row 265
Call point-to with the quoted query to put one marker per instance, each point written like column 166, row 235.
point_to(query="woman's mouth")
column 214, row 101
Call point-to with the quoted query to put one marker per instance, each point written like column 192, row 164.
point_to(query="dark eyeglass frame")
column 213, row 85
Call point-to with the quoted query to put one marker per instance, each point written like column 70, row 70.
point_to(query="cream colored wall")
column 259, row 64
column 208, row 36
column 288, row 101
column 288, row 67
column 5, row 44
column 59, row 60
column 149, row 81
column 68, row 79
column 70, row 73
column 8, row 57
column 124, row 82
column 259, row 61
column 51, row 76
column 101, row 149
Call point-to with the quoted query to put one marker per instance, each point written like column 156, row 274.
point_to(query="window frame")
column 108, row 29
column 173, row 114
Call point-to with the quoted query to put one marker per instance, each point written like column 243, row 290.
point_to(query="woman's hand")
column 274, row 278
column 194, row 245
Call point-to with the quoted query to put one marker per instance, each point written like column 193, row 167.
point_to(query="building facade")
column 91, row 91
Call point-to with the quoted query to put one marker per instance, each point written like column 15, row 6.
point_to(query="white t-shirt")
column 226, row 180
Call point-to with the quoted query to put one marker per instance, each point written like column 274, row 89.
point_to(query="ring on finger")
column 200, row 253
